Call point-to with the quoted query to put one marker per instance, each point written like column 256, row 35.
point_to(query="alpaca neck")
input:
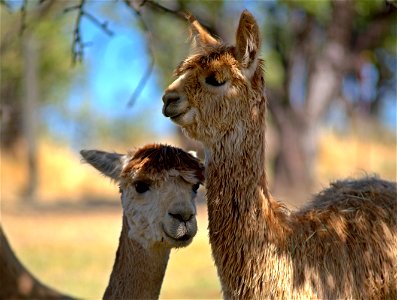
column 243, row 219
column 236, row 180
column 236, row 169
column 137, row 272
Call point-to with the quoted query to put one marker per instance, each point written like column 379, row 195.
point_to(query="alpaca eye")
column 211, row 80
column 141, row 187
column 195, row 187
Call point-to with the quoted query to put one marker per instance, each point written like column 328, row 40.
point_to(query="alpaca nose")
column 169, row 98
column 182, row 216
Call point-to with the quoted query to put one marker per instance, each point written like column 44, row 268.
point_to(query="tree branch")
column 144, row 79
column 23, row 17
column 155, row 5
column 136, row 6
column 78, row 45
column 35, row 16
column 101, row 25
column 380, row 24
column 181, row 14
column 6, row 4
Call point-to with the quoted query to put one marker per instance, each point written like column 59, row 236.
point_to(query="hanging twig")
column 136, row 9
column 182, row 15
column 158, row 6
column 6, row 4
column 78, row 45
column 35, row 16
column 101, row 25
column 23, row 17
column 142, row 82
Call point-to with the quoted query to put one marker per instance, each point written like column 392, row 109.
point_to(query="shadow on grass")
column 63, row 205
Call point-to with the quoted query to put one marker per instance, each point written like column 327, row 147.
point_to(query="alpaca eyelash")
column 211, row 80
column 195, row 187
column 141, row 187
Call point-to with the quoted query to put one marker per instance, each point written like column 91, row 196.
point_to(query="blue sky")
column 117, row 64
column 107, row 78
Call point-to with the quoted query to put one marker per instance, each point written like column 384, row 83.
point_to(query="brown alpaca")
column 342, row 245
column 158, row 185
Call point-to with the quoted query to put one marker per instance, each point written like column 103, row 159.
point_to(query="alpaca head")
column 219, row 88
column 158, row 186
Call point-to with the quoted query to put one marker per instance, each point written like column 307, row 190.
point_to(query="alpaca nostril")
column 169, row 98
column 181, row 217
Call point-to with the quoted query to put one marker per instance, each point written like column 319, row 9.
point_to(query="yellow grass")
column 353, row 156
column 74, row 253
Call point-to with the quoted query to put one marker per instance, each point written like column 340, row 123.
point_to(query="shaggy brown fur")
column 342, row 245
column 155, row 159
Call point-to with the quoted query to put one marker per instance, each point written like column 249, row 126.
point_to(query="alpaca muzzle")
column 171, row 103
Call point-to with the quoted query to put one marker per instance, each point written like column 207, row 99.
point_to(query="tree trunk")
column 29, row 111
column 16, row 281
column 291, row 166
column 298, row 124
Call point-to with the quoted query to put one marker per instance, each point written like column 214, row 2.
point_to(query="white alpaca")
column 158, row 185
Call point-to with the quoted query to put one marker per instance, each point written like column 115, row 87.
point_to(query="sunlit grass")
column 74, row 253
column 353, row 156
column 71, row 252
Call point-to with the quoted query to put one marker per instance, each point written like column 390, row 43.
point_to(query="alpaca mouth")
column 173, row 118
column 180, row 239
column 184, row 238
column 170, row 111
column 173, row 113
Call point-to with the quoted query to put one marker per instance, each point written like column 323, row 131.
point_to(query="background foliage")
column 331, row 84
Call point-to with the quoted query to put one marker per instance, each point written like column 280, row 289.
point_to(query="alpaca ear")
column 109, row 164
column 247, row 40
column 201, row 38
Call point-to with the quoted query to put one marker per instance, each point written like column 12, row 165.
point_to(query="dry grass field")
column 69, row 239
column 74, row 252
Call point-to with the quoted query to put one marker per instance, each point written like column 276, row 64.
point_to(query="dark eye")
column 211, row 80
column 195, row 187
column 141, row 187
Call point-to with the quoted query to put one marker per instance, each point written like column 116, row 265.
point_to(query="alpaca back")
column 350, row 241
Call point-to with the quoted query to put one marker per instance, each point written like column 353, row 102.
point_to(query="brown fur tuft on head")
column 156, row 158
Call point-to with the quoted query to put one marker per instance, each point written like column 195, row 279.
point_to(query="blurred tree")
column 316, row 52
column 322, row 44
column 43, row 27
column 34, row 70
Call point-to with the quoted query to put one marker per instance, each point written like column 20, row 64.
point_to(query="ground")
column 73, row 251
